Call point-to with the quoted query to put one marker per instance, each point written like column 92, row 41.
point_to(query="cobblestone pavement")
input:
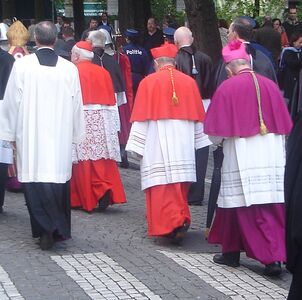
column 110, row 257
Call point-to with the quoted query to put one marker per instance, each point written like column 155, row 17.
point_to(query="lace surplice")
column 101, row 142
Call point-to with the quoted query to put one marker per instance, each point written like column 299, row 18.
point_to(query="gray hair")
column 237, row 63
column 165, row 61
column 97, row 38
column 45, row 33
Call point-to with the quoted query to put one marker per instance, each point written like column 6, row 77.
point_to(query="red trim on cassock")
column 90, row 181
column 153, row 99
column 167, row 207
column 96, row 84
column 126, row 70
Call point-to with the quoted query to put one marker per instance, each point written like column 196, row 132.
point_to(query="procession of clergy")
column 64, row 118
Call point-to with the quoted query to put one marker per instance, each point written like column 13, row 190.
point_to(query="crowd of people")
column 71, row 110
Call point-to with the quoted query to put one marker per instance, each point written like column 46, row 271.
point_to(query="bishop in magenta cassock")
column 248, row 116
column 95, row 176
column 166, row 129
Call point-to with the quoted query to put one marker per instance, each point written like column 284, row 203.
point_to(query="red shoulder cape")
column 153, row 99
column 96, row 84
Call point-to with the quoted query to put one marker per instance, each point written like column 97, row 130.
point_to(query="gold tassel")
column 263, row 129
column 174, row 98
column 206, row 233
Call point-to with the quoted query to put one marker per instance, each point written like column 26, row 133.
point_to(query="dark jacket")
column 293, row 199
column 111, row 65
column 153, row 41
column 204, row 68
column 270, row 39
column 6, row 64
column 291, row 27
column 260, row 63
column 292, row 62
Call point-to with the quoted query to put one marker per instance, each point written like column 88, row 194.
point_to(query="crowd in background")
column 114, row 82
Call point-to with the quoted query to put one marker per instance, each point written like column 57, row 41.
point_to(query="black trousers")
column 215, row 185
column 49, row 208
column 196, row 191
column 295, row 292
column 3, row 178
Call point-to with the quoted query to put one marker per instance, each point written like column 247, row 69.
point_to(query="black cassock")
column 49, row 208
column 293, row 201
column 6, row 64
column 48, row 203
column 111, row 65
column 199, row 66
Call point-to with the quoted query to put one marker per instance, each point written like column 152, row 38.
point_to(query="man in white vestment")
column 43, row 114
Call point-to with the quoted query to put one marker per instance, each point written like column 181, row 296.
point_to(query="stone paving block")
column 118, row 236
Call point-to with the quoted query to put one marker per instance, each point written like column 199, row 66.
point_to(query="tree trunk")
column 8, row 9
column 256, row 8
column 78, row 14
column 39, row 10
column 204, row 25
column 134, row 14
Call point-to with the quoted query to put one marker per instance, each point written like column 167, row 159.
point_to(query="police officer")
column 139, row 59
column 169, row 34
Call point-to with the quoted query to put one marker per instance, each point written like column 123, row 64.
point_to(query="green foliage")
column 59, row 3
column 234, row 8
column 162, row 8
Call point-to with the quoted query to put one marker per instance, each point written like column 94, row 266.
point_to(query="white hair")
column 81, row 54
column 97, row 38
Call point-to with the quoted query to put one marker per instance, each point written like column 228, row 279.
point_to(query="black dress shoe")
column 46, row 241
column 230, row 259
column 273, row 269
column 104, row 201
column 179, row 233
column 195, row 203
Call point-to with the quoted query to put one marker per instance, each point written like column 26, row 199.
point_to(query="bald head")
column 183, row 37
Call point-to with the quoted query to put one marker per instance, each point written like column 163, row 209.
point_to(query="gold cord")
column 174, row 96
column 263, row 128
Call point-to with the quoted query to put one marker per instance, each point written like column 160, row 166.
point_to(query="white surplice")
column 43, row 112
column 252, row 171
column 167, row 148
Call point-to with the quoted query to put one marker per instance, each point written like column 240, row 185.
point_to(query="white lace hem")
column 101, row 142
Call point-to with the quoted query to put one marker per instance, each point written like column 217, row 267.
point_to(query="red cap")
column 84, row 45
column 166, row 50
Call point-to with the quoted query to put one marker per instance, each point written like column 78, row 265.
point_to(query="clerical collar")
column 47, row 56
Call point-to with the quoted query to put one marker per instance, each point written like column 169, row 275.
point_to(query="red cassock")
column 125, row 109
column 166, row 204
column 91, row 179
